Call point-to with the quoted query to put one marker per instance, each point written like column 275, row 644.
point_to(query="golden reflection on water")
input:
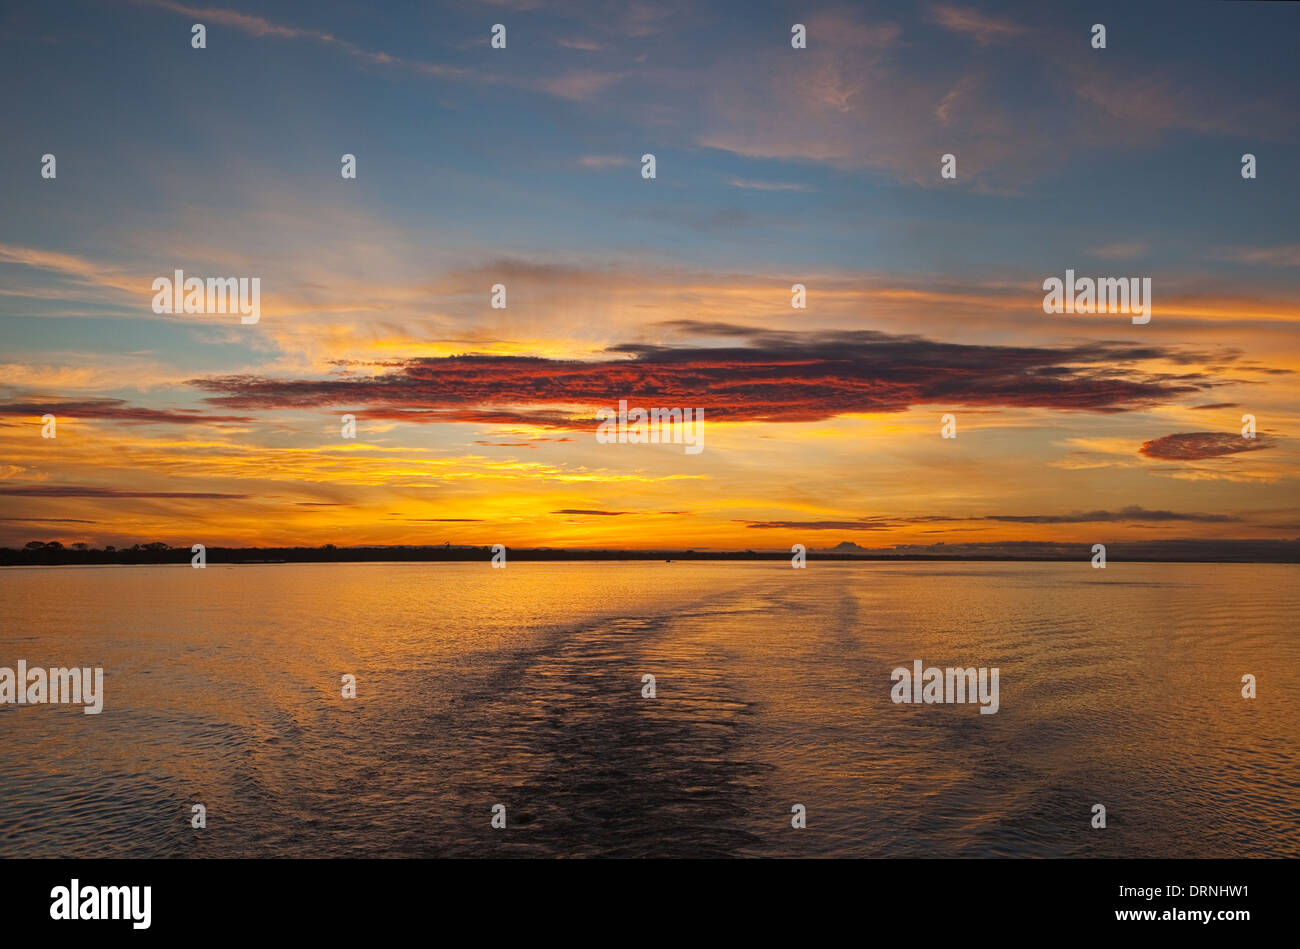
column 523, row 686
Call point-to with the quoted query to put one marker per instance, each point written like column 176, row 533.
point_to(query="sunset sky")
column 775, row 166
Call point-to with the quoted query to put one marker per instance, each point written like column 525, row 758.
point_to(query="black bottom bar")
column 954, row 899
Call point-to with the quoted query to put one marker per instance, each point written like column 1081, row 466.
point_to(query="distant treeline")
column 161, row 553
column 1224, row 551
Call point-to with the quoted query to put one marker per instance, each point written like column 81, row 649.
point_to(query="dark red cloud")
column 81, row 491
column 1194, row 446
column 859, row 525
column 1127, row 515
column 766, row 376
column 47, row 520
column 116, row 410
column 600, row 513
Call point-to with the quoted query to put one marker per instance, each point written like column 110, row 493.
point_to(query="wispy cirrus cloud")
column 577, row 85
column 754, row 185
column 833, row 113
column 981, row 27
column 1285, row 255
column 604, row 161
column 261, row 27
column 580, row 85
column 79, row 269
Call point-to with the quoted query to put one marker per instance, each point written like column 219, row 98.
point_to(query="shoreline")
column 267, row 556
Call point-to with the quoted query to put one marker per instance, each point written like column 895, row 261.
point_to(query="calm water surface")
column 523, row 687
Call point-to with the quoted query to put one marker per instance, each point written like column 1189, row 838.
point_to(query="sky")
column 774, row 166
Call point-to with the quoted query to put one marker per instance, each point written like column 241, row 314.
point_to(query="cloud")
column 599, row 513
column 94, row 371
column 81, row 491
column 585, row 45
column 766, row 185
column 530, row 443
column 257, row 26
column 1008, row 121
column 79, row 269
column 859, row 525
column 1194, row 446
column 1128, row 514
column 833, row 113
column 580, row 85
column 980, row 27
column 604, row 161
column 1132, row 514
column 759, row 375
column 944, row 110
column 47, row 520
column 118, row 411
column 1286, row 255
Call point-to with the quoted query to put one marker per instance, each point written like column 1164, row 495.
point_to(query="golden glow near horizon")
column 875, row 478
